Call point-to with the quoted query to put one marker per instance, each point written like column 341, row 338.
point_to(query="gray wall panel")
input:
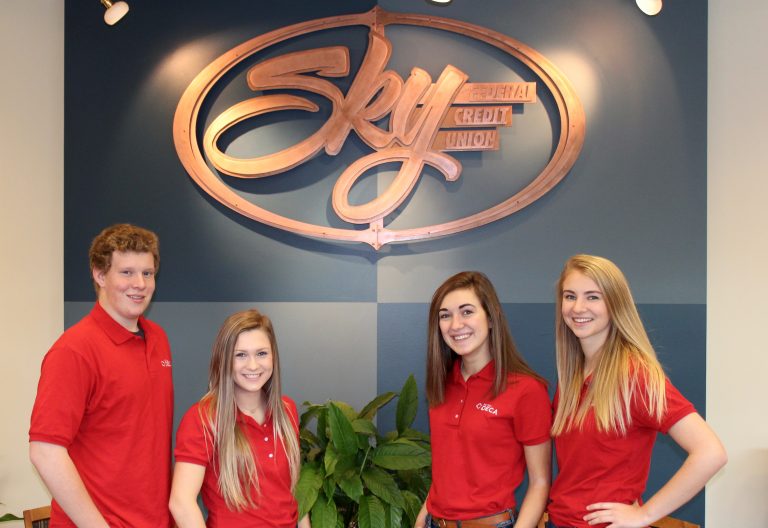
column 327, row 350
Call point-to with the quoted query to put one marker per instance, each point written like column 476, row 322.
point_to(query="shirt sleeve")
column 533, row 413
column 677, row 407
column 66, row 382
column 194, row 442
column 293, row 413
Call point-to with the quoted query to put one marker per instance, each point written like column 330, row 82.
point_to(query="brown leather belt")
column 480, row 522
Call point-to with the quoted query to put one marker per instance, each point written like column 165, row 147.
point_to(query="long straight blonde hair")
column 504, row 353
column 626, row 357
column 237, row 471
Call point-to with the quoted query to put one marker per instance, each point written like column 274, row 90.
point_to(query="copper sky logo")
column 427, row 120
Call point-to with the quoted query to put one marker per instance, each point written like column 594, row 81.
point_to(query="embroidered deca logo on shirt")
column 487, row 407
column 165, row 363
column 411, row 125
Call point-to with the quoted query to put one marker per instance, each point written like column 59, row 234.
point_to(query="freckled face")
column 464, row 324
column 584, row 311
column 252, row 362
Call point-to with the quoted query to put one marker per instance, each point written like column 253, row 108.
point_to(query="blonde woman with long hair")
column 612, row 399
column 489, row 414
column 239, row 444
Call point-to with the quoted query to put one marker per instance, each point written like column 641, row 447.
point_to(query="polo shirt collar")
column 114, row 330
column 487, row 373
column 244, row 419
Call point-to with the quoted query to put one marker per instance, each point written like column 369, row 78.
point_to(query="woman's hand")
column 617, row 515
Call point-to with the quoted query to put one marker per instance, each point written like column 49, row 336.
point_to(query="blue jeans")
column 504, row 524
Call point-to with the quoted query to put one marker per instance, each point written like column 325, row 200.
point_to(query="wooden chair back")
column 671, row 522
column 37, row 517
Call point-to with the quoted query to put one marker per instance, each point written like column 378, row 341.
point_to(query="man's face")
column 126, row 289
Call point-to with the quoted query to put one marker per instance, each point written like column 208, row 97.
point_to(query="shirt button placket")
column 457, row 416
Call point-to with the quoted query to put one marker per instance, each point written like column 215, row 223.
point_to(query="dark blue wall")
column 352, row 321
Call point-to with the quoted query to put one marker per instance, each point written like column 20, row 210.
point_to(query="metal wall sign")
column 427, row 119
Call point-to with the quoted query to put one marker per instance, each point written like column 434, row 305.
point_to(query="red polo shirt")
column 477, row 442
column 107, row 396
column 276, row 506
column 607, row 467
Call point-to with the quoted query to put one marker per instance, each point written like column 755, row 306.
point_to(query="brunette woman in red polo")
column 239, row 444
column 489, row 414
column 612, row 398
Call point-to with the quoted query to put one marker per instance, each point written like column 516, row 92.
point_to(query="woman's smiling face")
column 584, row 311
column 464, row 324
column 252, row 362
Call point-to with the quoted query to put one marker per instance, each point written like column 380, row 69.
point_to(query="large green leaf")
column 347, row 464
column 363, row 441
column 366, row 431
column 391, row 436
column 313, row 410
column 413, row 434
column 401, row 455
column 371, row 513
column 369, row 411
column 308, row 487
column 342, row 435
column 407, row 405
column 416, row 480
column 346, row 408
column 322, row 427
column 412, row 506
column 352, row 486
column 364, row 426
column 383, row 486
column 324, row 513
column 305, row 435
column 329, row 487
column 393, row 515
column 330, row 460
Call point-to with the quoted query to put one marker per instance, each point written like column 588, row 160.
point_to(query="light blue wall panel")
column 327, row 350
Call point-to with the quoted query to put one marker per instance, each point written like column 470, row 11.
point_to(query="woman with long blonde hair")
column 489, row 414
column 239, row 445
column 612, row 399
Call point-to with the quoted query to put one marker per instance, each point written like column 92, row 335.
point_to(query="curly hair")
column 122, row 238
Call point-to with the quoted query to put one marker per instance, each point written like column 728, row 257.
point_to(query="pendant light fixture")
column 649, row 7
column 114, row 11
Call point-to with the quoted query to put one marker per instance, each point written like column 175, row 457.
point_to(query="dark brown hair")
column 504, row 353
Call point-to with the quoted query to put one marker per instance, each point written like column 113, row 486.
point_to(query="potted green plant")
column 354, row 476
